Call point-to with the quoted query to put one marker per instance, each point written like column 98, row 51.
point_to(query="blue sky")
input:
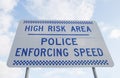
column 105, row 12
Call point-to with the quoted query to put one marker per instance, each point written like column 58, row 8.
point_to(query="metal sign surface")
column 59, row 44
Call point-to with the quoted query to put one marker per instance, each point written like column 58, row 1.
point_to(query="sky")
column 105, row 12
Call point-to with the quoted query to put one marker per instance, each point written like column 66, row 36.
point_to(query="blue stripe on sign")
column 59, row 62
column 57, row 22
column 60, row 34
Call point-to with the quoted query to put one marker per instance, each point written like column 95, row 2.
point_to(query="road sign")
column 59, row 44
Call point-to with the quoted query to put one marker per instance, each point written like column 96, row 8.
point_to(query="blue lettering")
column 36, row 52
column 49, row 53
column 51, row 41
column 76, row 52
column 56, row 28
column 65, row 53
column 17, row 52
column 88, row 52
column 30, row 51
column 81, row 29
column 43, row 40
column 88, row 29
column 94, row 52
column 82, row 50
column 67, row 41
column 24, row 52
column 43, row 52
column 33, row 28
column 59, row 41
column 100, row 52
column 74, row 41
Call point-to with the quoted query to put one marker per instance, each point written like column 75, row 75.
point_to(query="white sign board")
column 59, row 44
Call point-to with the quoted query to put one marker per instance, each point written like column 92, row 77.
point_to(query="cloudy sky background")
column 105, row 12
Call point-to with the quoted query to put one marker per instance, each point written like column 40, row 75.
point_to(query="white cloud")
column 6, row 21
column 61, row 9
column 4, row 45
column 112, row 31
column 115, row 34
column 6, row 72
column 62, row 73
column 6, row 18
column 104, row 27
column 7, row 6
column 59, row 72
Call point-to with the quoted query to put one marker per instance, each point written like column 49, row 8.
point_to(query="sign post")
column 27, row 72
column 94, row 72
